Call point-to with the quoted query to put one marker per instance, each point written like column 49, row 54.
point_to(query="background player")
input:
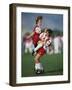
column 27, row 43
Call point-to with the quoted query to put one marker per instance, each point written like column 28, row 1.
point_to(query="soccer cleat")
column 42, row 71
column 33, row 52
column 39, row 71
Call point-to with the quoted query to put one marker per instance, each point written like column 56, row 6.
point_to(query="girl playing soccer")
column 40, row 50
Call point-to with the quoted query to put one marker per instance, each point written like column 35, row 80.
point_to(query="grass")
column 53, row 65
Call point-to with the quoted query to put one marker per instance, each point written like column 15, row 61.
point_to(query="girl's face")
column 39, row 23
column 47, row 33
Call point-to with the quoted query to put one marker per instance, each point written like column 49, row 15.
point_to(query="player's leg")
column 37, row 61
column 40, row 44
column 30, row 49
column 26, row 49
column 38, row 65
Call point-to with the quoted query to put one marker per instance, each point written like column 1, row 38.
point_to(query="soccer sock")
column 37, row 66
column 38, row 46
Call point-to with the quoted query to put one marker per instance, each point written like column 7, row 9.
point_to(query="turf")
column 53, row 65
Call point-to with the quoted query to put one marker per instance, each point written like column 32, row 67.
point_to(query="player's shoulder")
column 36, row 27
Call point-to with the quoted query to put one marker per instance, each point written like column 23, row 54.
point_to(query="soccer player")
column 57, row 44
column 27, row 43
column 44, row 42
column 36, row 31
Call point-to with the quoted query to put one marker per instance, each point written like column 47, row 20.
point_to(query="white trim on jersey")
column 43, row 36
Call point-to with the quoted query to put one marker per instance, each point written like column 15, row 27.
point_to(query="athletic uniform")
column 35, row 37
column 46, row 40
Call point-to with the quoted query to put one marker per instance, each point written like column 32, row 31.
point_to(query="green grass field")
column 53, row 65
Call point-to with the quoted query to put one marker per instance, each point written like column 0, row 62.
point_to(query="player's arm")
column 31, row 34
column 48, row 43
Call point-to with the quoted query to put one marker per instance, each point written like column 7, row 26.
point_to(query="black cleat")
column 42, row 71
column 33, row 53
column 39, row 71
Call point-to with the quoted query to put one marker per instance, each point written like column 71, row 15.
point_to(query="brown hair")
column 49, row 31
column 38, row 18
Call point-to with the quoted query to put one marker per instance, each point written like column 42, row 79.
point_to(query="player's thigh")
column 41, row 42
column 38, row 56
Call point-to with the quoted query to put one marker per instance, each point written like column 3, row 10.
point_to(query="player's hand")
column 28, row 37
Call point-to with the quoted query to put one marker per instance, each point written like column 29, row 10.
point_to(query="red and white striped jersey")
column 48, row 43
column 43, row 37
